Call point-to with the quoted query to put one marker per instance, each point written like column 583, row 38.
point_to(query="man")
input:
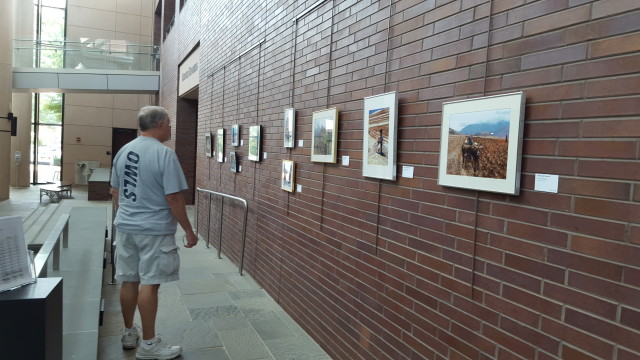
column 146, row 183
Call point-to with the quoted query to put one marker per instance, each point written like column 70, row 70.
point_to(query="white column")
column 6, row 41
column 21, row 102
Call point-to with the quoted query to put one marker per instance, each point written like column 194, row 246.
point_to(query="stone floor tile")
column 199, row 301
column 205, row 354
column 80, row 345
column 203, row 286
column 192, row 335
column 244, row 344
column 298, row 348
column 272, row 329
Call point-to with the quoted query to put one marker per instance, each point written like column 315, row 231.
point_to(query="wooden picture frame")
column 220, row 145
column 481, row 143
column 288, row 173
column 379, row 136
column 289, row 126
column 324, row 136
column 255, row 142
column 208, row 144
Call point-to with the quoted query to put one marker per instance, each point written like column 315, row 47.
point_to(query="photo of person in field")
column 378, row 137
column 479, row 143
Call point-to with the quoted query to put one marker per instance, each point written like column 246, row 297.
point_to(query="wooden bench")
column 56, row 192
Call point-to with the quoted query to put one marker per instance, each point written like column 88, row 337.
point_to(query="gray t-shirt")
column 145, row 171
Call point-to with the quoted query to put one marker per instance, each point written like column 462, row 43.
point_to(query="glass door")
column 46, row 138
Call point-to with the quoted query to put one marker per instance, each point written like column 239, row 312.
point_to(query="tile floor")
column 212, row 311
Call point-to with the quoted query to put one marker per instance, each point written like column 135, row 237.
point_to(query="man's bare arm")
column 115, row 192
column 179, row 210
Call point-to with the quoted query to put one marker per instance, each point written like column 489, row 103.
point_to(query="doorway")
column 121, row 137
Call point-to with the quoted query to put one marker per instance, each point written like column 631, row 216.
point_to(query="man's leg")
column 148, row 306
column 129, row 301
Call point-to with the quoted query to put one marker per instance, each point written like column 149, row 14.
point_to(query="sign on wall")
column 189, row 75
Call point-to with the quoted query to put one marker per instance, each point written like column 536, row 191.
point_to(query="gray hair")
column 150, row 116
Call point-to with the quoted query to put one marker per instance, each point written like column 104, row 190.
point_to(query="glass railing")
column 85, row 53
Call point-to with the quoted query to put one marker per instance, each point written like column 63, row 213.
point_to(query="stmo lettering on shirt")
column 131, row 176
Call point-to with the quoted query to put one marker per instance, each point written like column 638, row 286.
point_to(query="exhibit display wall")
column 407, row 268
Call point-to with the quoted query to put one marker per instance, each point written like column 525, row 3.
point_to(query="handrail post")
column 209, row 221
column 195, row 216
column 65, row 235
column 244, row 238
column 111, row 242
column 56, row 254
column 220, row 228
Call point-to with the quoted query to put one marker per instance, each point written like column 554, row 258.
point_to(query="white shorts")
column 149, row 259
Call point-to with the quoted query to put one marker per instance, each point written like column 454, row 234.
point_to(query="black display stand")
column 31, row 321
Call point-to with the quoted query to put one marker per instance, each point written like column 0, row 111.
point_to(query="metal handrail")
column 52, row 244
column 112, row 244
column 244, row 223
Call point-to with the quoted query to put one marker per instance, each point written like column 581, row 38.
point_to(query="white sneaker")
column 158, row 350
column 130, row 337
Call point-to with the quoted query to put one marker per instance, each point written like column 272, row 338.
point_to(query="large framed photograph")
column 289, row 128
column 208, row 144
column 324, row 136
column 380, row 136
column 233, row 160
column 481, row 143
column 288, row 175
column 235, row 135
column 220, row 145
column 254, row 142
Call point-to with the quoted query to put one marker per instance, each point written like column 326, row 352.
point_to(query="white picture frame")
column 289, row 126
column 379, row 144
column 255, row 140
column 481, row 143
column 235, row 135
column 288, row 174
column 220, row 145
column 208, row 144
column 324, row 136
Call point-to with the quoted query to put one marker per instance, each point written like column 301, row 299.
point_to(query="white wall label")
column 241, row 142
column 407, row 172
column 299, row 188
column 345, row 161
column 300, row 143
column 546, row 183
column 264, row 155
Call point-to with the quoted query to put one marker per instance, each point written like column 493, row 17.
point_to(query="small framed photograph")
column 235, row 135
column 220, row 145
column 481, row 143
column 208, row 144
column 324, row 136
column 289, row 128
column 254, row 142
column 380, row 136
column 233, row 160
column 288, row 175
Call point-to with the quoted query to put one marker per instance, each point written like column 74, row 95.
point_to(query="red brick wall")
column 409, row 269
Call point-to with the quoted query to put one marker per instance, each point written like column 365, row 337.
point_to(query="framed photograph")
column 324, row 136
column 380, row 136
column 481, row 143
column 254, row 142
column 235, row 135
column 233, row 160
column 220, row 145
column 289, row 128
column 208, row 144
column 288, row 175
